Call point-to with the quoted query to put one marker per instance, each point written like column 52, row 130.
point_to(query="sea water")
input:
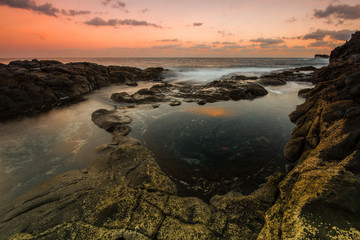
column 222, row 140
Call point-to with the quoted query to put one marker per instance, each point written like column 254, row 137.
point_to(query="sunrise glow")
column 162, row 28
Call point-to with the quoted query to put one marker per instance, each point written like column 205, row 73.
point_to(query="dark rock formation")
column 220, row 90
column 301, row 74
column 350, row 49
column 319, row 198
column 28, row 87
column 322, row 56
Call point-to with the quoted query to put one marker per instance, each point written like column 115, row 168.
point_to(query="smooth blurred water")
column 34, row 149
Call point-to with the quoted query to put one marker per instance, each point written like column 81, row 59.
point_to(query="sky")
column 167, row 28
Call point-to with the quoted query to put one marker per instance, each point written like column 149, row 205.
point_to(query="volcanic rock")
column 319, row 197
column 29, row 87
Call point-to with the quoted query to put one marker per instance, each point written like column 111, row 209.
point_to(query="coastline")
column 124, row 194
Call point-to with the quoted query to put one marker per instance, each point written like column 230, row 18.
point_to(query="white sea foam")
column 204, row 75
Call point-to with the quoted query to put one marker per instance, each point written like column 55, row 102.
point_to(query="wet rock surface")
column 219, row 90
column 28, row 87
column 319, row 197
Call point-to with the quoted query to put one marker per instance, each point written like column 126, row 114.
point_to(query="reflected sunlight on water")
column 211, row 111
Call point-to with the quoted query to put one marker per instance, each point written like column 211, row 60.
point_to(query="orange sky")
column 165, row 28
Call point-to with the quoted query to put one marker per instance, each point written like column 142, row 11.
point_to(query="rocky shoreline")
column 30, row 87
column 125, row 195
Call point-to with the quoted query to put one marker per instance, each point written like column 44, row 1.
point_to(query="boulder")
column 109, row 120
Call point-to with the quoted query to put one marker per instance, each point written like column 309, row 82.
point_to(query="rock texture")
column 125, row 195
column 319, row 198
column 220, row 90
column 28, row 87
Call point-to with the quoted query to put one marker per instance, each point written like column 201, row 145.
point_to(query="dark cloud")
column 197, row 24
column 74, row 12
column 164, row 47
column 317, row 35
column 200, row 46
column 144, row 10
column 116, row 22
column 320, row 34
column 321, row 43
column 46, row 8
column 168, row 40
column 298, row 47
column 291, row 20
column 342, row 11
column 225, row 34
column 228, row 43
column 342, row 35
column 267, row 42
column 114, row 3
column 233, row 46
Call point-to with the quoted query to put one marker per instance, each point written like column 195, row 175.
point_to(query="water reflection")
column 211, row 111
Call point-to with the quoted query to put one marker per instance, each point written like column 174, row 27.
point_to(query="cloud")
column 166, row 47
column 98, row 22
column 197, row 24
column 342, row 11
column 46, row 8
column 168, row 40
column 200, row 47
column 323, row 44
column 144, row 10
column 224, row 43
column 267, row 42
column 225, row 34
column 319, row 34
column 228, row 43
column 233, row 46
column 114, row 3
column 291, row 20
column 74, row 12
